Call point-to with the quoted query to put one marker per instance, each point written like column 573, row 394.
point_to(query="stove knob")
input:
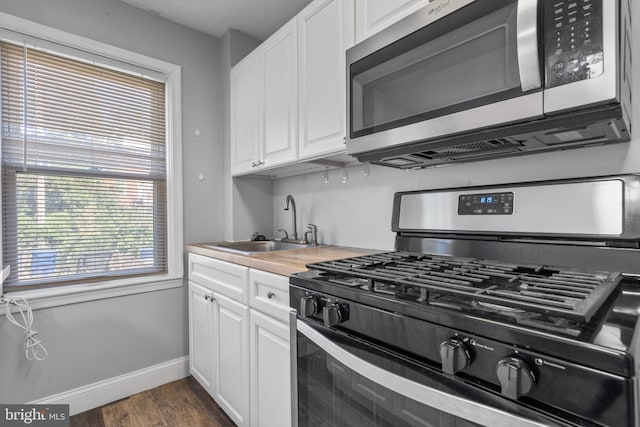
column 332, row 315
column 515, row 376
column 455, row 356
column 309, row 306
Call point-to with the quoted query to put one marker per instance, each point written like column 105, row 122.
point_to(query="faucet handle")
column 313, row 230
column 285, row 235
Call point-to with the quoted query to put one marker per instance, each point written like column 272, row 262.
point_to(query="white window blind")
column 83, row 170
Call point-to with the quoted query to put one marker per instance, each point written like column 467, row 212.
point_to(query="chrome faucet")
column 292, row 203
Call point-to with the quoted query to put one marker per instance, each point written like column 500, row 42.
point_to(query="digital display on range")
column 486, row 204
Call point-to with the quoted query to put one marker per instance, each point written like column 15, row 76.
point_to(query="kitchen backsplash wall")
column 358, row 212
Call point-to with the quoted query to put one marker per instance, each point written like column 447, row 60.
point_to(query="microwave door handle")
column 434, row 398
column 527, row 44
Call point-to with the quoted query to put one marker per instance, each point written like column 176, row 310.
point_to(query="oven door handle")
column 450, row 404
column 527, row 45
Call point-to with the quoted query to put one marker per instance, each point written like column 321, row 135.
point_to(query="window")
column 84, row 170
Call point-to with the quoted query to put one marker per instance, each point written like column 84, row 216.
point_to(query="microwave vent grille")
column 451, row 153
column 473, row 147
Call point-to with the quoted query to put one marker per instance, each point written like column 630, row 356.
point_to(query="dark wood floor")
column 180, row 403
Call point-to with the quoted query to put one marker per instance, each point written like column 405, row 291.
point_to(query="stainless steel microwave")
column 463, row 80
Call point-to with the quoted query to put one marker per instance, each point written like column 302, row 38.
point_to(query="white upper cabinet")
column 288, row 96
column 280, row 89
column 325, row 31
column 264, row 104
column 246, row 111
column 374, row 15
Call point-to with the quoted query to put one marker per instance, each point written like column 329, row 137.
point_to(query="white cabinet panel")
column 200, row 331
column 270, row 372
column 220, row 276
column 325, row 31
column 231, row 358
column 374, row 15
column 246, row 113
column 280, row 122
column 264, row 104
column 269, row 293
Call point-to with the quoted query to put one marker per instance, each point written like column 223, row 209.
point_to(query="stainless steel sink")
column 251, row 247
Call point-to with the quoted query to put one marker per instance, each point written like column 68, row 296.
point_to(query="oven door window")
column 335, row 394
column 461, row 61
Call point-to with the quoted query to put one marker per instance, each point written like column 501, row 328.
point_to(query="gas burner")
column 556, row 291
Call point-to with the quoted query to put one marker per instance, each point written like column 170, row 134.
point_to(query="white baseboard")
column 102, row 392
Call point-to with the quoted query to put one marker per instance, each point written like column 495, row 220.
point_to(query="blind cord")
column 34, row 350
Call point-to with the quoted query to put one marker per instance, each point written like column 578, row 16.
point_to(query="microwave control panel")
column 573, row 40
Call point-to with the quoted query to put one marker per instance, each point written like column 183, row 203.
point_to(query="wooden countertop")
column 282, row 262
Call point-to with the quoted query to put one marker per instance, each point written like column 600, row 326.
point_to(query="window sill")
column 73, row 294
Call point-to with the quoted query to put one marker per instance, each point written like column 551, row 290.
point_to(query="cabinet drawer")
column 230, row 280
column 269, row 293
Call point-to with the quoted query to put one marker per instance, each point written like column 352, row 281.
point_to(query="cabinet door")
column 325, row 30
column 374, row 15
column 280, row 88
column 270, row 372
column 231, row 358
column 246, row 113
column 200, row 333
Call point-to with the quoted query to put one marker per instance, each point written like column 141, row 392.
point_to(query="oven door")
column 343, row 381
column 432, row 75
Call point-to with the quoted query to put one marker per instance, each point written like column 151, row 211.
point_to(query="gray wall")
column 358, row 212
column 93, row 341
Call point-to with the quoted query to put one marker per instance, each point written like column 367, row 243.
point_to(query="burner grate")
column 558, row 291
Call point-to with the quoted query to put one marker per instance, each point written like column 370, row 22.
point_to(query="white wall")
column 358, row 213
column 93, row 341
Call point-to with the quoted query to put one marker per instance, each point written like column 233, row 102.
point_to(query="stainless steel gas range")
column 509, row 305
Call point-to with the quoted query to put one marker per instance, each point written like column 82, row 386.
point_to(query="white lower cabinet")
column 231, row 358
column 200, row 332
column 239, row 340
column 219, row 333
column 270, row 371
column 269, row 350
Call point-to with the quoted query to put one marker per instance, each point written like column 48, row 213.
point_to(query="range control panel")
column 486, row 204
column 573, row 40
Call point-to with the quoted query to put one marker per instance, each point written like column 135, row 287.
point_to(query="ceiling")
column 256, row 18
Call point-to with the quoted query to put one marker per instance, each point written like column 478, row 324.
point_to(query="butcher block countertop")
column 282, row 262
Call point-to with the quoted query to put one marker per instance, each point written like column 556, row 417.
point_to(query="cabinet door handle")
column 270, row 295
column 209, row 297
